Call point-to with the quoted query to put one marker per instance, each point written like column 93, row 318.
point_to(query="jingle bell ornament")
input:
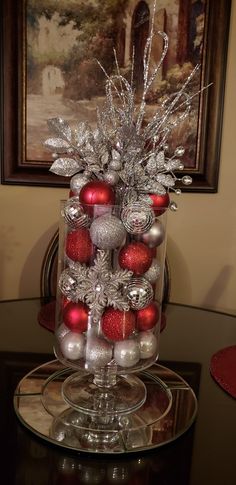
column 75, row 317
column 147, row 317
column 159, row 203
column 79, row 246
column 136, row 257
column 117, row 325
column 97, row 192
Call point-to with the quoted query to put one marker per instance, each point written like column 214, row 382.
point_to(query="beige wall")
column 202, row 234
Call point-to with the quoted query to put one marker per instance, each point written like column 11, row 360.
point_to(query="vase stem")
column 105, row 376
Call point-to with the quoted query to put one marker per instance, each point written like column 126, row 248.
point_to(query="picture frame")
column 16, row 169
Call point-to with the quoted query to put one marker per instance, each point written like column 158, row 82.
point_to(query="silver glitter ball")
column 187, row 180
column 127, row 353
column 139, row 293
column 111, row 177
column 78, row 181
column 107, row 232
column 153, row 272
column 137, row 218
column 155, row 236
column 72, row 346
column 74, row 214
column 98, row 352
column 148, row 344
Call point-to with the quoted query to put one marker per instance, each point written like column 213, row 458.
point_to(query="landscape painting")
column 65, row 39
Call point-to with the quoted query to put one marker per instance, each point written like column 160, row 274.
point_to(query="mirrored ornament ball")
column 98, row 352
column 74, row 213
column 127, row 353
column 77, row 182
column 137, row 218
column 107, row 232
column 148, row 344
column 68, row 284
column 139, row 293
column 153, row 273
column 72, row 346
column 155, row 236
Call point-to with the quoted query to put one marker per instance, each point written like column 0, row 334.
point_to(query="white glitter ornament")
column 139, row 293
column 137, row 218
column 155, row 236
column 74, row 214
column 153, row 272
column 77, row 182
column 72, row 346
column 107, row 232
column 98, row 352
column 148, row 344
column 127, row 353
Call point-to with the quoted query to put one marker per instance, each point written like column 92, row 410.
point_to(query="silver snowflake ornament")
column 98, row 286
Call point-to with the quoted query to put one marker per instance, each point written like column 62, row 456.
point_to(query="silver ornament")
column 78, row 181
column 179, row 152
column 148, row 344
column 153, row 272
column 127, row 353
column 111, row 177
column 155, row 236
column 137, row 218
column 187, row 180
column 74, row 214
column 72, row 346
column 107, row 232
column 61, row 331
column 173, row 206
column 98, row 352
column 139, row 293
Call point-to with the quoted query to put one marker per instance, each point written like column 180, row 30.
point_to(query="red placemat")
column 223, row 369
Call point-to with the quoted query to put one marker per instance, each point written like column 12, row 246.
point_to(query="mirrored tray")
column 169, row 410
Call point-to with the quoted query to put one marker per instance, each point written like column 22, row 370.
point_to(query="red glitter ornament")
column 136, row 257
column 75, row 316
column 159, row 203
column 97, row 192
column 118, row 325
column 79, row 246
column 147, row 317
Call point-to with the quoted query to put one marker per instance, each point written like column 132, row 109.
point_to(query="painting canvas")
column 66, row 38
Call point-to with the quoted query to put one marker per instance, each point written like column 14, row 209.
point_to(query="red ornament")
column 97, row 192
column 147, row 317
column 136, row 257
column 118, row 325
column 79, row 246
column 160, row 203
column 75, row 317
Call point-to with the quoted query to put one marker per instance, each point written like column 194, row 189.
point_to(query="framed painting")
column 49, row 68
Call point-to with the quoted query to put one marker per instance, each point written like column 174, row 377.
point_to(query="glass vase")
column 110, row 284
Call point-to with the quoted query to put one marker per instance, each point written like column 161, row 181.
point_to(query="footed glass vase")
column 110, row 283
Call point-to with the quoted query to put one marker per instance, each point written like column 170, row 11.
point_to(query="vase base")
column 168, row 411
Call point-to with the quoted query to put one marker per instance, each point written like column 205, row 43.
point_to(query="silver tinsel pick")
column 98, row 286
column 122, row 146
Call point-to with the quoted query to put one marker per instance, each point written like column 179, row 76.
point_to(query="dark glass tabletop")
column 205, row 454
